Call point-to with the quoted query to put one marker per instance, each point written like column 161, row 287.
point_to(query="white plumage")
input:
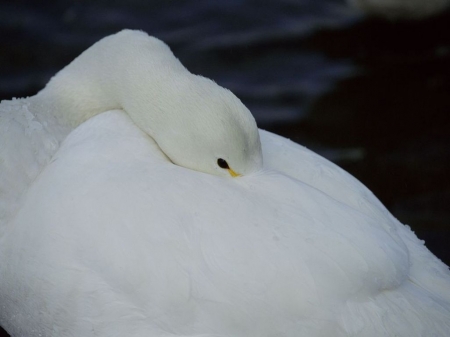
column 105, row 236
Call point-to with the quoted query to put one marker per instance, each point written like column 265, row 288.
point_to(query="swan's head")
column 206, row 128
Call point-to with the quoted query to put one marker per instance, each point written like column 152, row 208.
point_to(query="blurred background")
column 370, row 94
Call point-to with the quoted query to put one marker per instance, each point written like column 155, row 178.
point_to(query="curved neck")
column 192, row 119
column 115, row 73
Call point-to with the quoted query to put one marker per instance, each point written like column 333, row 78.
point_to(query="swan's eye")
column 222, row 163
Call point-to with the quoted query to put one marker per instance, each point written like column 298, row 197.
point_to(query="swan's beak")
column 234, row 174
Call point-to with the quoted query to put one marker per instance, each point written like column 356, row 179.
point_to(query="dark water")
column 371, row 95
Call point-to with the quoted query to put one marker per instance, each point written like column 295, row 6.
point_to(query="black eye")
column 222, row 163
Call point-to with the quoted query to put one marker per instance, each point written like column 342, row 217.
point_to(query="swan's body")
column 401, row 9
column 113, row 239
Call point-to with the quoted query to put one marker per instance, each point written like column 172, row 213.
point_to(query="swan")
column 401, row 9
column 135, row 201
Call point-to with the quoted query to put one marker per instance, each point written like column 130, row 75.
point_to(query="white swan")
column 105, row 236
column 401, row 9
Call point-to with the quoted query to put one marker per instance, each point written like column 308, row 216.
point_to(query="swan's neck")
column 118, row 72
column 192, row 119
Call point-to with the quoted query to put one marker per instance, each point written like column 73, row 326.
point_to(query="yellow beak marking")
column 234, row 174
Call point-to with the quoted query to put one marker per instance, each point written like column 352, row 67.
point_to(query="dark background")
column 369, row 94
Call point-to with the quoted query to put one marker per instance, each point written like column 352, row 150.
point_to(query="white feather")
column 104, row 236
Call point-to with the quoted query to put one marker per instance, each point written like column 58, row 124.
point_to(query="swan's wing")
column 294, row 160
column 297, row 161
column 44, row 289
